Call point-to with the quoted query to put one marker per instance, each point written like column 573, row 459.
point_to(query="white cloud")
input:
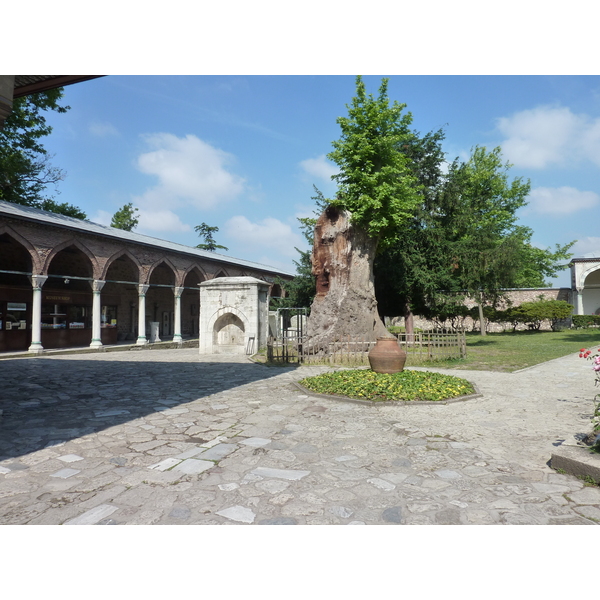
column 189, row 171
column 586, row 245
column 550, row 135
column 150, row 221
column 103, row 130
column 160, row 220
column 319, row 167
column 267, row 234
column 560, row 201
column 102, row 217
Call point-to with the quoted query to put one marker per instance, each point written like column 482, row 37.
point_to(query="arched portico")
column 69, row 282
column 585, row 285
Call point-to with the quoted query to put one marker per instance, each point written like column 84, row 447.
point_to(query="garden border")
column 579, row 461
column 477, row 394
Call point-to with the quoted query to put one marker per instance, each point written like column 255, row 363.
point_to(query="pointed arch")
column 202, row 276
column 36, row 266
column 167, row 263
column 118, row 254
column 67, row 244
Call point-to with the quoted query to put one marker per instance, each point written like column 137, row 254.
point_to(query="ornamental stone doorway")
column 233, row 315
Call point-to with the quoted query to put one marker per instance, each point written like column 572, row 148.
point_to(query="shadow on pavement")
column 48, row 401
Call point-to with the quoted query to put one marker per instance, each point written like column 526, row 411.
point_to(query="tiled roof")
column 49, row 218
column 30, row 84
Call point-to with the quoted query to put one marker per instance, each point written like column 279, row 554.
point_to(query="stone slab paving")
column 170, row 437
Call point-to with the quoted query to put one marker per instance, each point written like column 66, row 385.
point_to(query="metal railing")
column 421, row 347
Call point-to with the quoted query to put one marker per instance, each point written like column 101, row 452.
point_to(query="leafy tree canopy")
column 464, row 237
column 375, row 182
column 536, row 264
column 125, row 218
column 25, row 169
column 206, row 231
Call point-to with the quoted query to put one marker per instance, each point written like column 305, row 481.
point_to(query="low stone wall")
column 516, row 297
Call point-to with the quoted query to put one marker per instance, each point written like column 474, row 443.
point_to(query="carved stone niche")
column 233, row 315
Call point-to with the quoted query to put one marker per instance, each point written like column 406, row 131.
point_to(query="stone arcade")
column 67, row 283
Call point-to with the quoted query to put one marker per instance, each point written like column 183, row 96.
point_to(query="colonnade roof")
column 31, row 84
column 41, row 216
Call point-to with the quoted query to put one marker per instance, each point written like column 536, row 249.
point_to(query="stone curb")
column 578, row 461
column 86, row 350
column 477, row 394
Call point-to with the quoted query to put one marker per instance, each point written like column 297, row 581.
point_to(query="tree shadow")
column 45, row 402
column 484, row 341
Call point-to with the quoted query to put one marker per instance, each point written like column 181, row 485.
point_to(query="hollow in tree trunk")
column 345, row 304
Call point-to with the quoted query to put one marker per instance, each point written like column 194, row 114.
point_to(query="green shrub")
column 534, row 313
column 585, row 321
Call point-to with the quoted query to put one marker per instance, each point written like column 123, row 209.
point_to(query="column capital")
column 97, row 285
column 37, row 281
column 142, row 289
column 177, row 291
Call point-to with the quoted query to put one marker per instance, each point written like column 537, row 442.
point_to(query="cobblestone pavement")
column 169, row 437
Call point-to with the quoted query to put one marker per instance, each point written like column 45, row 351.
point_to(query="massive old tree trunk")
column 345, row 303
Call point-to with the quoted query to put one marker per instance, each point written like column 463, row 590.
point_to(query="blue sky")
column 243, row 152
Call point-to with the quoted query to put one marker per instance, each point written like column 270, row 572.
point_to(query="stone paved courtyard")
column 169, row 437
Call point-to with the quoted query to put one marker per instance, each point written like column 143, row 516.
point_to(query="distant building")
column 67, row 283
column 585, row 284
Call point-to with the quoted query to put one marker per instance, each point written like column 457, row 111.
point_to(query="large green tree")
column 377, row 192
column 25, row 169
column 125, row 218
column 464, row 238
column 411, row 272
column 488, row 238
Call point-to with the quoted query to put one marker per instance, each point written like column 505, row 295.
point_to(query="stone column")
column 142, row 341
column 579, row 307
column 97, row 286
column 177, row 291
column 37, row 281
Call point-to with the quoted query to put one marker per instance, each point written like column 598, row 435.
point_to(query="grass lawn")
column 512, row 351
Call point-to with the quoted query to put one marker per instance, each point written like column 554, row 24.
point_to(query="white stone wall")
column 233, row 315
column 585, row 281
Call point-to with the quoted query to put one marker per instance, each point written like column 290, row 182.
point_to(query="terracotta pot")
column 387, row 356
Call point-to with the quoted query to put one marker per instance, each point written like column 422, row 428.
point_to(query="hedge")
column 585, row 321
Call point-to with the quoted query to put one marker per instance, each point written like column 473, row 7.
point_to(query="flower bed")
column 407, row 385
column 594, row 438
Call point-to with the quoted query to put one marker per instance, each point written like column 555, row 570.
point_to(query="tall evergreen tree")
column 206, row 231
